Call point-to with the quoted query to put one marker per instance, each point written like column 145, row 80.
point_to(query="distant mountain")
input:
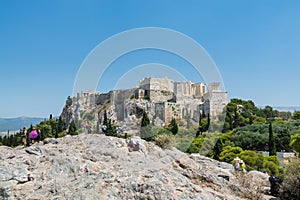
column 287, row 108
column 284, row 108
column 18, row 123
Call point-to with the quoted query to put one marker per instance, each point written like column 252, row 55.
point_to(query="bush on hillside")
column 164, row 141
column 229, row 153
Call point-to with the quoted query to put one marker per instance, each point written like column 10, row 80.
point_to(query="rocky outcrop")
column 101, row 167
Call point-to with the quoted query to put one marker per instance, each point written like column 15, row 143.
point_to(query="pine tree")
column 272, row 145
column 50, row 116
column 145, row 120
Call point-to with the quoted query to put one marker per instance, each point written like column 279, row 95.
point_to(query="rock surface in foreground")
column 101, row 167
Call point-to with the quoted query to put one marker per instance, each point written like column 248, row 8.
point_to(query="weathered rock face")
column 101, row 167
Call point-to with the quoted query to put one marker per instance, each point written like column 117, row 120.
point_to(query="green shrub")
column 149, row 132
column 62, row 134
column 127, row 135
column 249, row 157
column 229, row 153
column 195, row 145
column 183, row 144
column 273, row 159
column 164, row 141
column 271, row 167
column 295, row 143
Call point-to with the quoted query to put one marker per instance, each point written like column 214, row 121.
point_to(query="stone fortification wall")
column 157, row 89
column 118, row 98
column 162, row 98
column 215, row 103
column 164, row 84
column 191, row 110
column 172, row 110
column 218, row 103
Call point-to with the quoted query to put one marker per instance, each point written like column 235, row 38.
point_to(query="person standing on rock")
column 24, row 137
column 39, row 138
column 86, row 127
column 237, row 164
column 265, row 172
column 243, row 166
column 33, row 135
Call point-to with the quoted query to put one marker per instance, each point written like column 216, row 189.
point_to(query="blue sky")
column 255, row 45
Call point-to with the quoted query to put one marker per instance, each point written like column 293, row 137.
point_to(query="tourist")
column 242, row 166
column 24, row 137
column 33, row 135
column 265, row 172
column 237, row 164
column 86, row 127
column 39, row 137
column 104, row 128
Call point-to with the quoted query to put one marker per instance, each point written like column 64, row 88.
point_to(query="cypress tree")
column 174, row 127
column 146, row 128
column 4, row 141
column 200, row 119
column 30, row 129
column 203, row 114
column 111, row 131
column 61, row 125
column 72, row 128
column 272, row 145
column 145, row 120
column 105, row 121
column 109, row 126
column 208, row 122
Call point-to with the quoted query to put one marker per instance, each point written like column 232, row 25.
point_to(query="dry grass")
column 249, row 187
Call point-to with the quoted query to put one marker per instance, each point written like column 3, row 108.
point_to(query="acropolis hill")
column 162, row 98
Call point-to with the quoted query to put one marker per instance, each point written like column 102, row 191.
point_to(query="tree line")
column 50, row 128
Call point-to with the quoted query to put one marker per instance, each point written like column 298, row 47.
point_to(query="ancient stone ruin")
column 162, row 98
